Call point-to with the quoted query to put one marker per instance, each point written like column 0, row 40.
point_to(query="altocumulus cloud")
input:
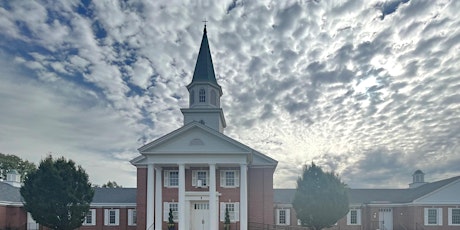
column 368, row 89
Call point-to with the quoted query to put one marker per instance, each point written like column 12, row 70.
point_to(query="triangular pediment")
column 194, row 138
column 447, row 194
column 198, row 139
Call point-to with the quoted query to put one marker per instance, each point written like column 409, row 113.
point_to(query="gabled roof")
column 114, row 195
column 181, row 137
column 9, row 194
column 204, row 69
column 377, row 196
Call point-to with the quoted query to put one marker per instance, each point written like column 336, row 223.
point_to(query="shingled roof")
column 369, row 196
column 9, row 194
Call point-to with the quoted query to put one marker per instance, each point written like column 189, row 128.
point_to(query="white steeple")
column 204, row 92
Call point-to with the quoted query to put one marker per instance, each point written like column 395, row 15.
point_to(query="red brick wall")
column 141, row 197
column 260, row 195
column 14, row 217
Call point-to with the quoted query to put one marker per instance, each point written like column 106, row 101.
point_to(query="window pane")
column 175, row 208
column 174, row 178
column 201, row 175
column 230, row 178
column 202, row 95
column 112, row 217
column 354, row 217
column 432, row 216
column 231, row 210
column 89, row 217
column 134, row 217
column 456, row 216
column 282, row 216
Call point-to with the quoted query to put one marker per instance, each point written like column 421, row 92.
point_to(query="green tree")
column 111, row 184
column 10, row 162
column 57, row 194
column 321, row 198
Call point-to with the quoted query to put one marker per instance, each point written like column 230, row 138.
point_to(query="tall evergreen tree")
column 321, row 199
column 57, row 194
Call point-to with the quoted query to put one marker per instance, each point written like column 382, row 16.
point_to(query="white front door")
column 200, row 216
column 386, row 218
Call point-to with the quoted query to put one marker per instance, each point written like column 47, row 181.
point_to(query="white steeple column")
column 181, row 206
column 158, row 199
column 213, row 224
column 150, row 197
column 243, row 197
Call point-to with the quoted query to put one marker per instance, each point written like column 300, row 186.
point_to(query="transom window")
column 202, row 95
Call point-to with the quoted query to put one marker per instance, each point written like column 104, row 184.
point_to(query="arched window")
column 202, row 95
column 192, row 97
column 213, row 97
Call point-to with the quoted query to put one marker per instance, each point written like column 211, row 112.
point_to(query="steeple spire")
column 204, row 91
column 204, row 69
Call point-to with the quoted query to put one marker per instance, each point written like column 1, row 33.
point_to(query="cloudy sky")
column 369, row 89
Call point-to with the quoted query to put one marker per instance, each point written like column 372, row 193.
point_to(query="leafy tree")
column 321, row 199
column 58, row 194
column 111, row 184
column 10, row 162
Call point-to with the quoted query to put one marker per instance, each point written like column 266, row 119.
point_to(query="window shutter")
column 106, row 216
column 358, row 216
column 130, row 216
column 93, row 216
column 207, row 177
column 237, row 211
column 288, row 216
column 166, row 178
column 237, row 178
column 277, row 217
column 222, row 178
column 426, row 216
column 117, row 216
column 194, row 178
column 222, row 211
column 449, row 217
column 349, row 217
column 439, row 216
column 165, row 211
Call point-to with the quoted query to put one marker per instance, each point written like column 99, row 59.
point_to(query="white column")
column 150, row 197
column 212, row 198
column 158, row 199
column 243, row 197
column 181, row 204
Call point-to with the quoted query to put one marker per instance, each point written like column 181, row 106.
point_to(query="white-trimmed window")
column 354, row 217
column 171, row 178
column 132, row 217
column 174, row 206
column 200, row 178
column 111, row 217
column 433, row 216
column 229, row 178
column 90, row 218
column 454, row 216
column 233, row 211
column 202, row 95
column 283, row 216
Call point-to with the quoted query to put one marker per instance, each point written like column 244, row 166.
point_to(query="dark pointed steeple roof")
column 204, row 70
